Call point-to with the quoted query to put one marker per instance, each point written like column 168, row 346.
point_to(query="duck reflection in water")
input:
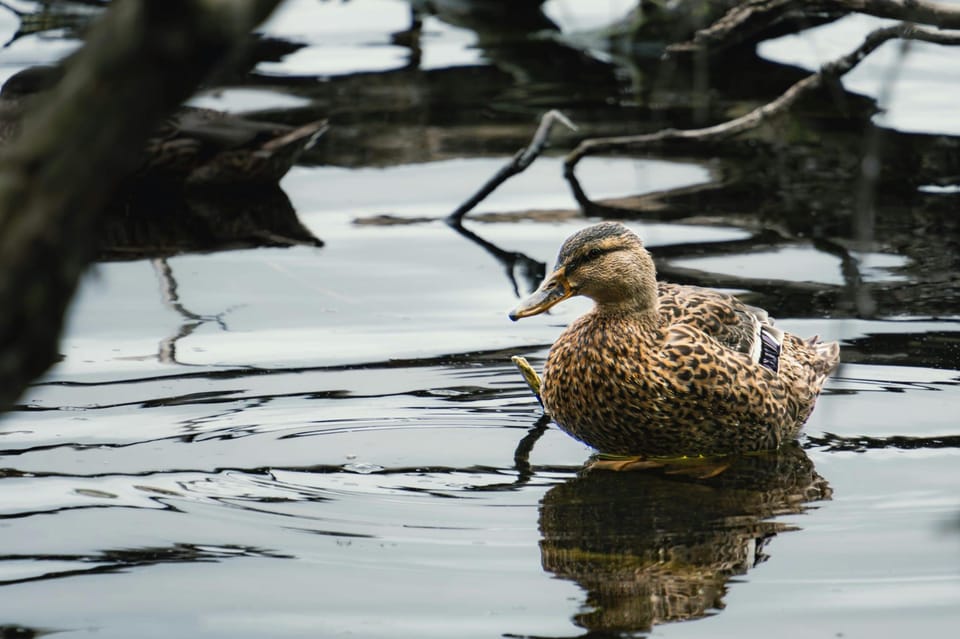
column 659, row 545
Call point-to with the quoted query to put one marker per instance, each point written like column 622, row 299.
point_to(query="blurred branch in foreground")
column 139, row 63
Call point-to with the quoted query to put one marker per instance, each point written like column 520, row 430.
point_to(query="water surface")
column 307, row 441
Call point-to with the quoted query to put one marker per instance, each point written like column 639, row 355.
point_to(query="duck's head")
column 605, row 262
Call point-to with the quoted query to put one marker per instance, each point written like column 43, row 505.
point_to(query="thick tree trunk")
column 139, row 63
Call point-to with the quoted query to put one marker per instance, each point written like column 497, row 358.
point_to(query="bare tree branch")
column 745, row 20
column 520, row 161
column 751, row 120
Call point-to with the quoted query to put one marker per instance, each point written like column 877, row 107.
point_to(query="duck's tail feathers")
column 828, row 355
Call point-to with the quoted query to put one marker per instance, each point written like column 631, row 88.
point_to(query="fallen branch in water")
column 682, row 138
column 520, row 161
column 742, row 22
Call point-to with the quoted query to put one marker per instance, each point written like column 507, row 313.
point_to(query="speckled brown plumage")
column 195, row 147
column 665, row 370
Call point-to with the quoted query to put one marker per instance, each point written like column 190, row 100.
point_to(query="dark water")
column 294, row 442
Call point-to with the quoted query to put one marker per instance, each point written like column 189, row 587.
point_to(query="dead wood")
column 742, row 22
column 678, row 140
column 517, row 164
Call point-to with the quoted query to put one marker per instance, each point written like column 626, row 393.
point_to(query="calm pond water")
column 314, row 442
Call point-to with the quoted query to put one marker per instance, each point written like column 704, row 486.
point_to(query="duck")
column 208, row 148
column 194, row 147
column 663, row 370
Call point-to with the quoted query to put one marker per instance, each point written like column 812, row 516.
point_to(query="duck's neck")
column 627, row 290
column 643, row 309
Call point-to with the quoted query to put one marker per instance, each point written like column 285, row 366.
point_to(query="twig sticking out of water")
column 520, row 161
column 829, row 72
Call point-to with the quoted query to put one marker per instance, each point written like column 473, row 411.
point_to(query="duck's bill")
column 554, row 289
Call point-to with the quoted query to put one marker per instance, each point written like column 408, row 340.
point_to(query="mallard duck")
column 194, row 147
column 666, row 370
column 203, row 147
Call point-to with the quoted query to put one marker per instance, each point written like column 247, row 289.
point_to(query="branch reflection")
column 167, row 352
column 531, row 271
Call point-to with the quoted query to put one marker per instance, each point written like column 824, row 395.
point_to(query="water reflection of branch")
column 938, row 349
column 791, row 297
column 411, row 38
column 521, row 456
column 765, row 240
column 862, row 443
column 171, row 298
column 531, row 270
column 860, row 291
column 124, row 559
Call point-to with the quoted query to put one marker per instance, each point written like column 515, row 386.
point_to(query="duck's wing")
column 733, row 324
column 723, row 383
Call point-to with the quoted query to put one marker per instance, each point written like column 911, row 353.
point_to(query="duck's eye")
column 583, row 258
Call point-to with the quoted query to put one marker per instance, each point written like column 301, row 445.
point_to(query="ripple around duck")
column 887, row 403
column 395, row 492
column 447, row 441
column 396, row 477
